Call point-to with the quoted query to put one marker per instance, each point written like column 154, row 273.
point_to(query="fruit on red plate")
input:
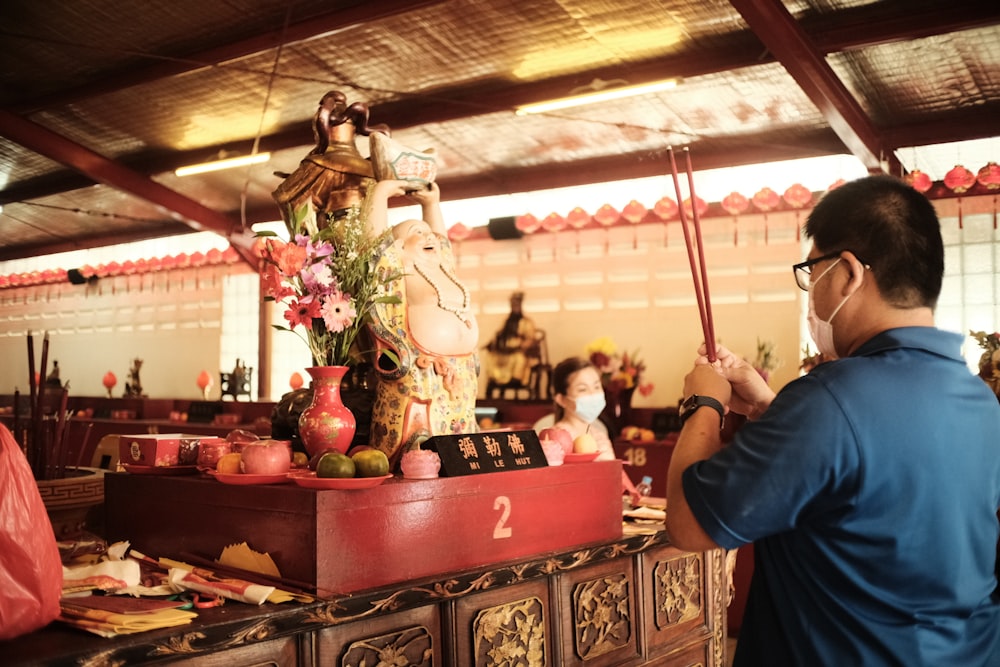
column 335, row 465
column 584, row 444
column 266, row 457
column 314, row 461
column 560, row 435
column 370, row 463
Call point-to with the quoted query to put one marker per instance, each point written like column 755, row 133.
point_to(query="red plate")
column 309, row 480
column 159, row 470
column 580, row 458
column 241, row 479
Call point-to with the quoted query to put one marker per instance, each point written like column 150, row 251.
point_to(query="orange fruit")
column 300, row 459
column 228, row 464
column 335, row 464
column 371, row 463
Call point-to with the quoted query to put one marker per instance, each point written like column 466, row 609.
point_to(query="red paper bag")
column 30, row 567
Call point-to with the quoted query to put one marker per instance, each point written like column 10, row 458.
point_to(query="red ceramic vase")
column 327, row 423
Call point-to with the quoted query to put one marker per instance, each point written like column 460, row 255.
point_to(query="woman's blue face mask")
column 588, row 407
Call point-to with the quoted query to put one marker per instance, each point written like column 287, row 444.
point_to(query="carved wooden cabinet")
column 658, row 606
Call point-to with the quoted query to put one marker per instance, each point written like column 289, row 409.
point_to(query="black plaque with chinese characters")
column 490, row 451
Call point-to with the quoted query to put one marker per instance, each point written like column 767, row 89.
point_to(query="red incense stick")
column 710, row 335
column 700, row 281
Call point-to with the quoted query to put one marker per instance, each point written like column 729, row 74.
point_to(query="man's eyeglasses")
column 803, row 270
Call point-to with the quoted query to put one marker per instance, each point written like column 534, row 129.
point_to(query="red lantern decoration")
column 734, row 203
column 204, row 382
column 295, row 381
column 197, row 259
column 959, row 179
column 553, row 222
column 109, row 381
column 458, row 232
column 634, row 212
column 230, row 256
column 699, row 202
column 607, row 215
column 989, row 176
column 578, row 218
column 214, row 256
column 182, row 260
column 665, row 209
column 797, row 196
column 527, row 224
column 918, row 180
column 766, row 199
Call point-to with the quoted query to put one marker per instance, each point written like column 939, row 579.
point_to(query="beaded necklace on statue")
column 460, row 313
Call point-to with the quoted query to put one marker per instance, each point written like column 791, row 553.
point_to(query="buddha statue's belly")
column 441, row 332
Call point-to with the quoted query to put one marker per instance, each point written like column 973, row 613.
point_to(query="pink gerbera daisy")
column 337, row 311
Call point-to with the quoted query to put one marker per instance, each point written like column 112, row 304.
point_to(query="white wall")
column 172, row 321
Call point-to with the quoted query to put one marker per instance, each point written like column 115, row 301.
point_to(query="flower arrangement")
column 619, row 371
column 766, row 359
column 989, row 362
column 325, row 277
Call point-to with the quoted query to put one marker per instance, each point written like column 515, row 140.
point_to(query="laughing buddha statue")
column 426, row 345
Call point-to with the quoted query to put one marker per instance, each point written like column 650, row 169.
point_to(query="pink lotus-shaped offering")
column 554, row 452
column 420, row 464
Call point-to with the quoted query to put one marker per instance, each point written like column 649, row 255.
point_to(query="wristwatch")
column 694, row 401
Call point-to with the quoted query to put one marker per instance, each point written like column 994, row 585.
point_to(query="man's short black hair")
column 892, row 228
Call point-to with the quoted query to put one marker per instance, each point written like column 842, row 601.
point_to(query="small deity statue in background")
column 514, row 351
column 239, row 372
column 133, row 388
column 53, row 379
column 427, row 360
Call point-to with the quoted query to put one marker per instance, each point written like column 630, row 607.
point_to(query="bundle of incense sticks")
column 700, row 277
column 44, row 440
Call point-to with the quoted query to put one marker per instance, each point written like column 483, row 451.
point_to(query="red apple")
column 266, row 457
column 560, row 435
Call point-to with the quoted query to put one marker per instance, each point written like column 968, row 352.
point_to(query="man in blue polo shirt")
column 870, row 486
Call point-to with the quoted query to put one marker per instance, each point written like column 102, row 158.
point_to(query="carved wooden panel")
column 412, row 645
column 599, row 615
column 512, row 633
column 682, row 601
column 504, row 626
column 411, row 637
column 273, row 653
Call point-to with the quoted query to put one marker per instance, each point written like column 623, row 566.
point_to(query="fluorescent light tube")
column 597, row 96
column 222, row 164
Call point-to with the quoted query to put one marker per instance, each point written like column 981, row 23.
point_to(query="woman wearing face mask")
column 578, row 403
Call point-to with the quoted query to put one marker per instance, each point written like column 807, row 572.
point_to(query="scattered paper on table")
column 243, row 557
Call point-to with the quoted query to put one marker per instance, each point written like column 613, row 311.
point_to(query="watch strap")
column 694, row 401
